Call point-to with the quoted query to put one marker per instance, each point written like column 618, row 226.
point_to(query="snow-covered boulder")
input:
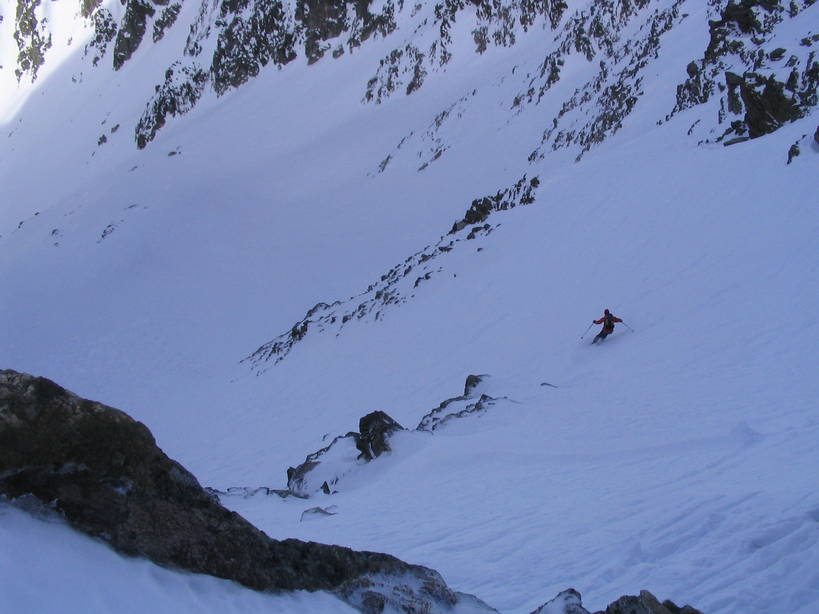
column 566, row 602
column 375, row 430
column 322, row 469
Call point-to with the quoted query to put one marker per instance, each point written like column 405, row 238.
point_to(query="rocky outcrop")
column 253, row 35
column 182, row 89
column 165, row 20
column 132, row 30
column 375, row 430
column 105, row 30
column 247, row 35
column 32, row 38
column 566, row 602
column 621, row 39
column 404, row 69
column 324, row 21
column 754, row 86
column 522, row 193
column 399, row 284
column 231, row 41
column 453, row 409
column 103, row 472
column 322, row 470
column 569, row 602
column 646, row 603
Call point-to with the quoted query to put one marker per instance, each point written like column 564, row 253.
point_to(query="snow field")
column 680, row 458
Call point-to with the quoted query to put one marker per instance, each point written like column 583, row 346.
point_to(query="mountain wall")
column 753, row 79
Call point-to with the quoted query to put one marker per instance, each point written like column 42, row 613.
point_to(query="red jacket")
column 610, row 325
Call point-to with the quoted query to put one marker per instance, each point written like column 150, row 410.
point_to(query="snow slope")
column 49, row 568
column 680, row 457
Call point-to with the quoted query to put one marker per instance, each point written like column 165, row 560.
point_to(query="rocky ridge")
column 752, row 85
column 755, row 85
column 399, row 284
column 623, row 39
column 427, row 50
column 322, row 470
column 570, row 602
column 32, row 37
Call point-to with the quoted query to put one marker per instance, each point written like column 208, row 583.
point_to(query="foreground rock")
column 104, row 473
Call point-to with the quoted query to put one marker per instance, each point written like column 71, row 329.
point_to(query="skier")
column 607, row 321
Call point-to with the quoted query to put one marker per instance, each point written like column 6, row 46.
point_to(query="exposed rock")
column 646, row 603
column 375, row 430
column 446, row 412
column 793, row 152
column 458, row 407
column 165, row 20
column 32, row 37
column 322, row 470
column 246, row 492
column 522, row 193
column 252, row 37
column 132, row 30
column 472, row 382
column 777, row 54
column 597, row 109
column 405, row 68
column 411, row 594
column 325, row 20
column 249, row 35
column 566, row 602
column 396, row 286
column 767, row 110
column 104, row 473
column 692, row 69
column 757, row 97
column 105, row 29
column 569, row 602
column 735, row 141
column 182, row 89
column 87, row 7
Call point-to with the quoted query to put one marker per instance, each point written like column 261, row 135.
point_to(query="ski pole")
column 627, row 326
column 587, row 330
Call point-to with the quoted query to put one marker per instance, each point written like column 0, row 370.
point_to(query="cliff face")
column 754, row 83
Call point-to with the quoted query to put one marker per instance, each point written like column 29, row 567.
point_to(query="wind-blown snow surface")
column 48, row 568
column 680, row 458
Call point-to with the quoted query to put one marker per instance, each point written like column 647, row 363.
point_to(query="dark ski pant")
column 603, row 334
